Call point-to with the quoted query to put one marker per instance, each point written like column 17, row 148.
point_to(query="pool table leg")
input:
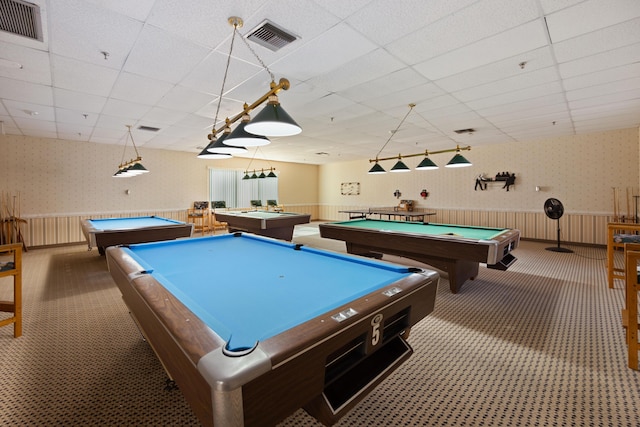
column 459, row 272
column 227, row 408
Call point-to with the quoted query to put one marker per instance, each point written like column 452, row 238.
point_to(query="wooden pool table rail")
column 280, row 382
column 458, row 257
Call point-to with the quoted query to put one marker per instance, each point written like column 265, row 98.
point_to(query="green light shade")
column 207, row 155
column 400, row 167
column 138, row 169
column 241, row 138
column 377, row 169
column 272, row 175
column 218, row 146
column 273, row 121
column 426, row 164
column 119, row 174
column 262, row 175
column 125, row 173
column 254, row 176
column 246, row 176
column 458, row 161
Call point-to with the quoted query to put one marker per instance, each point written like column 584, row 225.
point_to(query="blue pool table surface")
column 247, row 288
column 131, row 223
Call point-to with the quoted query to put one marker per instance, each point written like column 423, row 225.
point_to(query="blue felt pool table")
column 105, row 232
column 253, row 328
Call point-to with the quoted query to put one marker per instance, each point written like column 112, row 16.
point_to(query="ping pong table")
column 388, row 212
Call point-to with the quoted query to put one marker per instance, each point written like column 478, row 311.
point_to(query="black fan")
column 554, row 210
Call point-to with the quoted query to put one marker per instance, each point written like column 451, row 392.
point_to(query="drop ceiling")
column 511, row 70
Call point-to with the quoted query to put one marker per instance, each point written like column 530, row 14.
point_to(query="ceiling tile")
column 79, row 76
column 24, row 91
column 325, row 56
column 162, row 56
column 103, row 31
column 590, row 16
column 135, row 88
column 78, row 101
column 353, row 70
column 504, row 45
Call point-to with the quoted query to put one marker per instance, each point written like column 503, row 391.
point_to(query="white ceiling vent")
column 20, row 18
column 271, row 36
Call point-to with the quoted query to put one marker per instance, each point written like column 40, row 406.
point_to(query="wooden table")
column 406, row 215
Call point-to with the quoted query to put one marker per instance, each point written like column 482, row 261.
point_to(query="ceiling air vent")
column 149, row 128
column 461, row 131
column 271, row 36
column 20, row 18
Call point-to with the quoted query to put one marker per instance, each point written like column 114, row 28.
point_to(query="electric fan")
column 554, row 210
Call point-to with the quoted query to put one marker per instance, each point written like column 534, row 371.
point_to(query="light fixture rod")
column 261, row 170
column 283, row 84
column 451, row 150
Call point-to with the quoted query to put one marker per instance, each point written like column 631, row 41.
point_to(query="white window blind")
column 227, row 185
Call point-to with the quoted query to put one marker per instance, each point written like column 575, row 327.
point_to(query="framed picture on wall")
column 350, row 188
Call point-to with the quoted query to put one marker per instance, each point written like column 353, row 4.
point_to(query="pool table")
column 105, row 232
column 271, row 224
column 456, row 249
column 252, row 328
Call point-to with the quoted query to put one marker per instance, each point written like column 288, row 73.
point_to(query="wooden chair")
column 617, row 235
column 11, row 266
column 273, row 205
column 200, row 217
column 218, row 225
column 630, row 312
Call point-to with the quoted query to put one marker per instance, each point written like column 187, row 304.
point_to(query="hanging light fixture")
column 458, row 161
column 400, row 166
column 426, row 163
column 133, row 167
column 377, row 169
column 240, row 137
column 219, row 145
column 272, row 120
column 209, row 155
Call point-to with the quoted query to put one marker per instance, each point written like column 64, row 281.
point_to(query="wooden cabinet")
column 11, row 266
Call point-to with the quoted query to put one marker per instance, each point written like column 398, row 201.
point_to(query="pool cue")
column 1, row 218
column 628, row 206
column 615, row 204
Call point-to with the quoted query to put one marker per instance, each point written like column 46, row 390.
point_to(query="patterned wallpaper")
column 580, row 170
column 58, row 177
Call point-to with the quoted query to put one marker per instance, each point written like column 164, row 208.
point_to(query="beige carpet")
column 537, row 345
